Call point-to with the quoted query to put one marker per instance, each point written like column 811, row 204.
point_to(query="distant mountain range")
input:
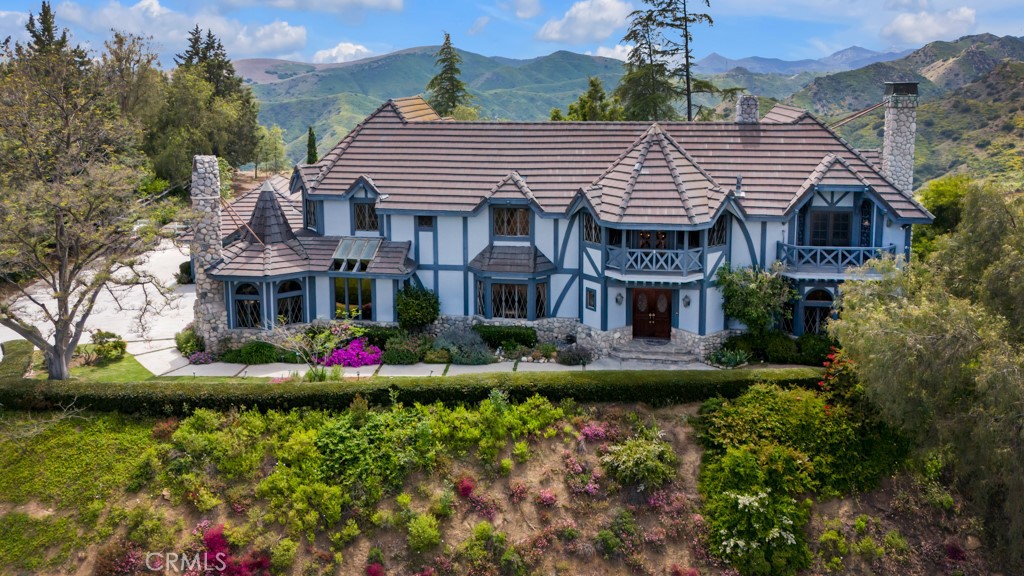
column 846, row 59
column 971, row 89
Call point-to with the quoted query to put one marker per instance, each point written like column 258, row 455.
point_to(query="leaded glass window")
column 866, row 209
column 591, row 229
column 717, row 236
column 509, row 301
column 310, row 214
column 248, row 312
column 481, row 307
column 540, row 309
column 289, row 303
column 511, row 222
column 366, row 217
column 830, row 228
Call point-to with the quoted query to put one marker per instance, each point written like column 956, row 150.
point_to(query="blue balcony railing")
column 829, row 258
column 637, row 260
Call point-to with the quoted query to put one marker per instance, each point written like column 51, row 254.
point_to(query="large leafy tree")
column 446, row 90
column 594, row 105
column 207, row 110
column 134, row 80
column 937, row 346
column 70, row 223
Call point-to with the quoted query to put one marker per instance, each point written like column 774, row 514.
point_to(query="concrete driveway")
column 121, row 316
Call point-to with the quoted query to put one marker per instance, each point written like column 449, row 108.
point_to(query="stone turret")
column 900, row 130
column 746, row 109
column 211, row 316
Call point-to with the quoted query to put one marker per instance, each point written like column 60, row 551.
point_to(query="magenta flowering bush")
column 357, row 353
column 201, row 358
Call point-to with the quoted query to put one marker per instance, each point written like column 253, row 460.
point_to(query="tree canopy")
column 594, row 105
column 446, row 90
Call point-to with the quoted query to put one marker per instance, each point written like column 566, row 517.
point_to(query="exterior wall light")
column 619, row 298
column 686, row 301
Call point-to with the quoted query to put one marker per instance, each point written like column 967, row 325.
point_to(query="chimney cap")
column 901, row 88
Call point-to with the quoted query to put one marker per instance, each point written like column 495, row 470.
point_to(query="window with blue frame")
column 831, row 228
column 718, row 234
column 591, row 299
column 353, row 298
column 591, row 229
column 248, row 309
column 364, row 217
column 511, row 222
column 424, row 223
column 310, row 215
column 289, row 303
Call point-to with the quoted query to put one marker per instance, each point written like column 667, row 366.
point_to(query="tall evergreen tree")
column 447, row 90
column 311, row 154
column 44, row 38
column 594, row 105
column 647, row 89
column 193, row 54
column 675, row 15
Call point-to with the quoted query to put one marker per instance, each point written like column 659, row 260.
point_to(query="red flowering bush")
column 466, row 485
column 546, row 498
column 517, row 492
column 839, row 384
column 375, row 570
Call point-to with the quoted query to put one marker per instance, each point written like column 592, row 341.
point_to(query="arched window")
column 289, row 302
column 817, row 311
column 248, row 313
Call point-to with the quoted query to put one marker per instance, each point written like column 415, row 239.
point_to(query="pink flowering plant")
column 357, row 353
column 317, row 343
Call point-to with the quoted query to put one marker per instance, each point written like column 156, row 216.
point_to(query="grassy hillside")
column 977, row 129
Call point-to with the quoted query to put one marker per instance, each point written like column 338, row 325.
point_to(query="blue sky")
column 340, row 30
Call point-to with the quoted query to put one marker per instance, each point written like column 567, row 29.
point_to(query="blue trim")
column 604, row 304
column 387, row 226
column 554, row 241
column 433, row 234
column 629, row 306
column 677, row 308
column 590, row 259
column 465, row 265
column 748, row 239
column 563, row 294
column 764, row 244
column 703, row 320
column 908, row 238
column 565, row 241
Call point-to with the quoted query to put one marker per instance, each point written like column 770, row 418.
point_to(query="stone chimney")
column 900, row 130
column 746, row 109
column 211, row 316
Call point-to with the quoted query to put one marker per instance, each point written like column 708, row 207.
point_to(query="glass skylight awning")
column 355, row 254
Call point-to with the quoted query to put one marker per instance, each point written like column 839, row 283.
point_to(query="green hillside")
column 939, row 67
column 333, row 98
column 977, row 129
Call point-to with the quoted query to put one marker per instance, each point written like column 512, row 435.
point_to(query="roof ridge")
column 330, row 159
column 627, row 194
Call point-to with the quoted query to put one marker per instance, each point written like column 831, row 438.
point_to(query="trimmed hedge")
column 496, row 336
column 17, row 359
column 159, row 397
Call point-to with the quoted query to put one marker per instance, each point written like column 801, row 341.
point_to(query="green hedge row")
column 181, row 396
column 17, row 358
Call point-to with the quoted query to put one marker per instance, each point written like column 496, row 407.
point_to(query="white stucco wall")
column 449, row 240
column 323, row 298
column 715, row 314
column 337, row 219
column 592, row 318
column 451, row 292
column 569, row 307
column 384, row 300
column 617, row 312
column 689, row 317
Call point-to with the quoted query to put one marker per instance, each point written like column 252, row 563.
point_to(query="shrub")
column 575, row 355
column 546, row 498
column 188, row 342
column 379, row 335
column 356, row 354
column 375, row 569
column 184, row 275
column 728, row 358
column 745, row 342
column 283, row 556
column 517, row 492
column 505, row 466
column 755, row 297
column 466, row 486
column 106, row 347
column 423, row 533
column 466, row 347
column 403, row 349
column 496, row 336
column 814, row 348
column 780, row 348
column 436, row 356
column 645, row 460
column 254, row 352
column 416, row 307
column 759, row 533
column 201, row 358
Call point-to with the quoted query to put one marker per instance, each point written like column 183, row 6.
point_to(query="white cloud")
column 13, row 24
column 478, row 25
column 526, row 8
column 907, row 4
column 343, row 52
column 323, row 5
column 921, row 27
column 170, row 28
column 619, row 51
column 586, row 21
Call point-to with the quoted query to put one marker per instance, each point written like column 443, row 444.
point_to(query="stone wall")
column 746, row 109
column 211, row 316
column 898, row 141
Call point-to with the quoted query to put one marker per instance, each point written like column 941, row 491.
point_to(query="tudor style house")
column 607, row 231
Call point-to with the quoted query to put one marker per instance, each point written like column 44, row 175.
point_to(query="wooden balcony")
column 682, row 262
column 833, row 259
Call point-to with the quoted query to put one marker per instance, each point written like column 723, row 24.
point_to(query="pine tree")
column 447, row 91
column 594, row 105
column 675, row 15
column 44, row 39
column 194, row 53
column 647, row 90
column 311, row 154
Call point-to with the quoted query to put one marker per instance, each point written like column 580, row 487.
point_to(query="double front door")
column 652, row 313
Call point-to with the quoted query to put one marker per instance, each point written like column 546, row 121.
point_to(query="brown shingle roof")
column 782, row 114
column 268, row 224
column 453, row 166
column 414, row 109
column 655, row 181
column 512, row 260
column 241, row 208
